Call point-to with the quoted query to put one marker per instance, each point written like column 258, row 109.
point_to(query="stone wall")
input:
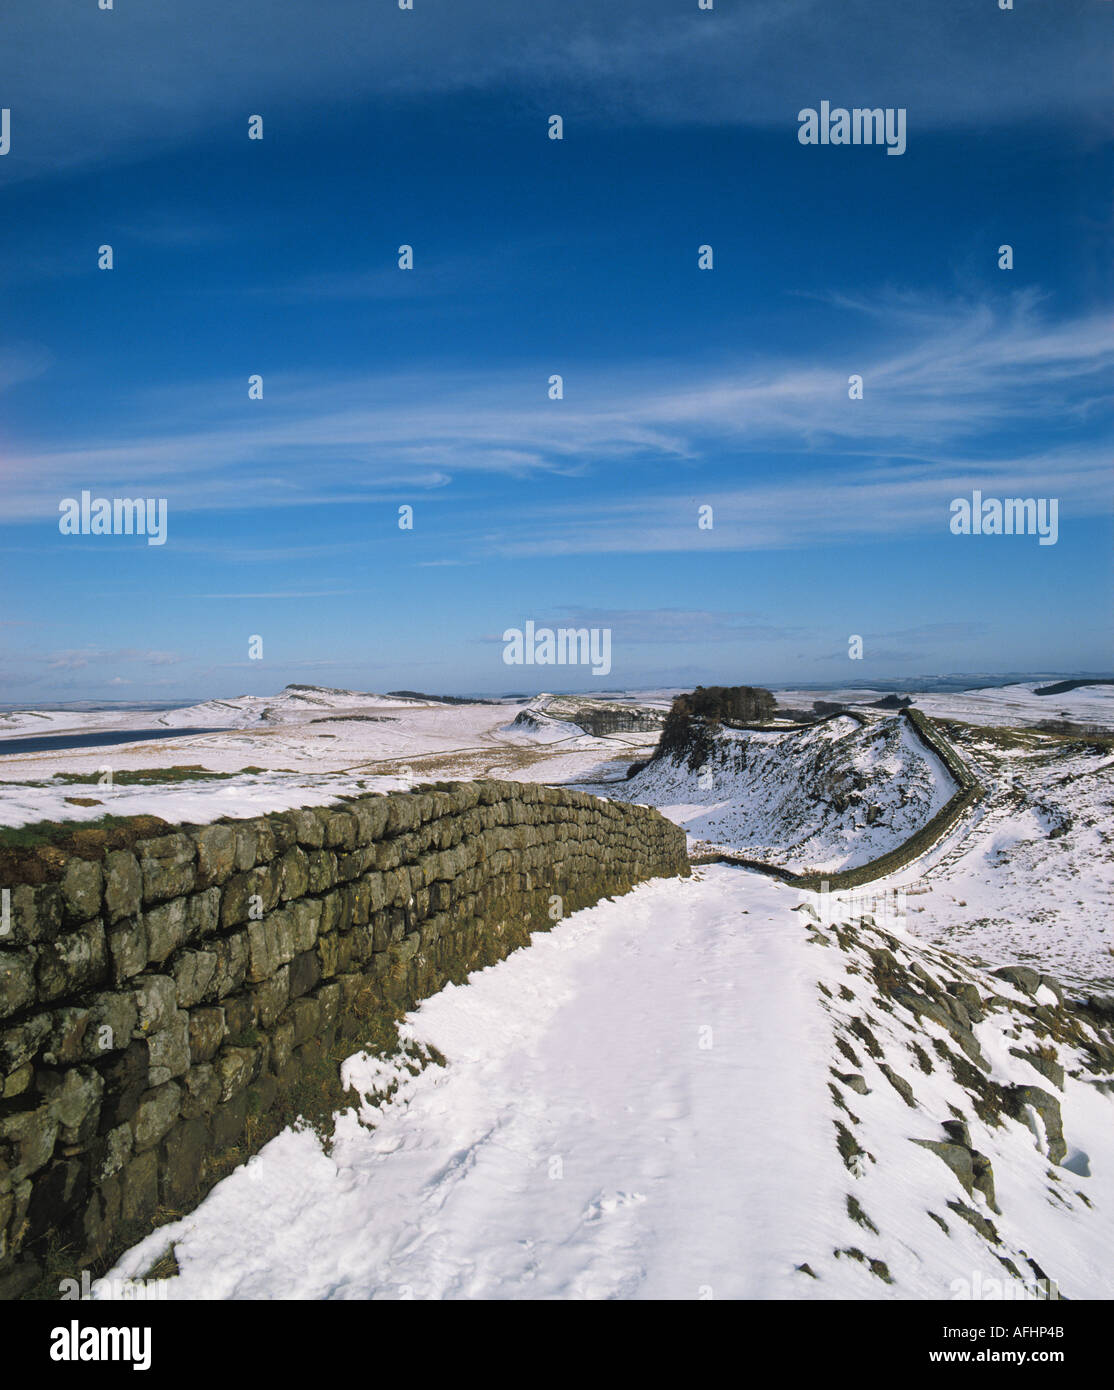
column 162, row 1002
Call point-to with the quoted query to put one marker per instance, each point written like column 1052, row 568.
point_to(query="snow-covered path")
column 618, row 1097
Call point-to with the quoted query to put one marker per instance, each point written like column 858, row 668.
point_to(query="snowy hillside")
column 296, row 704
column 829, row 796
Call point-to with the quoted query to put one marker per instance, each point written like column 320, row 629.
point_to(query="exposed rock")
column 1048, row 1108
column 1026, row 980
column 956, row 1156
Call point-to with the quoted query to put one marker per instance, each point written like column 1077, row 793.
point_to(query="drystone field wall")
column 161, row 1003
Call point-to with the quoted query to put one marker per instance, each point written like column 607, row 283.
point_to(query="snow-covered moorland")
column 698, row 1089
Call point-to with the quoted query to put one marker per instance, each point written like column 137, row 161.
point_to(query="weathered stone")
column 168, row 1050
column 232, row 954
column 156, row 998
column 127, row 949
column 956, row 1157
column 36, row 914
column 328, row 954
column 329, row 997
column 112, row 1021
column 216, row 854
column 332, row 910
column 74, row 961
column 1047, row 1107
column 229, row 1119
column 66, row 1042
column 74, row 1097
column 202, row 914
column 234, row 1069
column 282, row 1046
column 207, row 1032
column 970, row 1045
column 322, row 870
column 237, row 902
column 371, row 818
column 340, row 830
column 166, row 929
column 123, row 885
column 247, row 841
column 305, row 972
column 272, row 996
column 271, row 943
column 973, row 1218
column 118, row 1146
column 193, row 974
column 309, row 828
column 168, row 867
column 293, row 874
column 1026, row 980
column 202, row 1092
column 140, row 1191
column 984, row 1179
column 32, row 1135
column 306, row 1015
column 58, row 1195
column 158, row 1109
column 1047, row 1066
column 900, row 1085
column 82, row 882
column 17, row 981
column 17, row 1083
column 306, row 918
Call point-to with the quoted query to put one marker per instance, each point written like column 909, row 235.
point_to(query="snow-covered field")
column 1012, row 705
column 304, row 746
column 640, row 1105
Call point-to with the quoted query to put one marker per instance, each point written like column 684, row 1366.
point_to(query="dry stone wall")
column 159, row 1001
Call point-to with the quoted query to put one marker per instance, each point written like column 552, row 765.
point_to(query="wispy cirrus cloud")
column 957, row 394
column 78, row 659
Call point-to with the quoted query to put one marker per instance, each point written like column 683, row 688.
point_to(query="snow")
column 1013, row 705
column 631, row 1110
column 584, row 1139
column 773, row 796
column 313, row 746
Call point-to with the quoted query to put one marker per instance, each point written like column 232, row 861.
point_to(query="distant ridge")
column 1062, row 687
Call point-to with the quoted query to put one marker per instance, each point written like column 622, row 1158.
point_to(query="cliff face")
column 615, row 720
column 167, row 1005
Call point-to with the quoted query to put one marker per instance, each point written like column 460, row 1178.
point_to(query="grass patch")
column 151, row 776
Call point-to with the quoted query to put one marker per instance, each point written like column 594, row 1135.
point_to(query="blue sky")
column 683, row 388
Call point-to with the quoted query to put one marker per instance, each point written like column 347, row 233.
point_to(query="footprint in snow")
column 608, row 1202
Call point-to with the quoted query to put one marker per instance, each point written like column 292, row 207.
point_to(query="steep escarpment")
column 831, row 796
